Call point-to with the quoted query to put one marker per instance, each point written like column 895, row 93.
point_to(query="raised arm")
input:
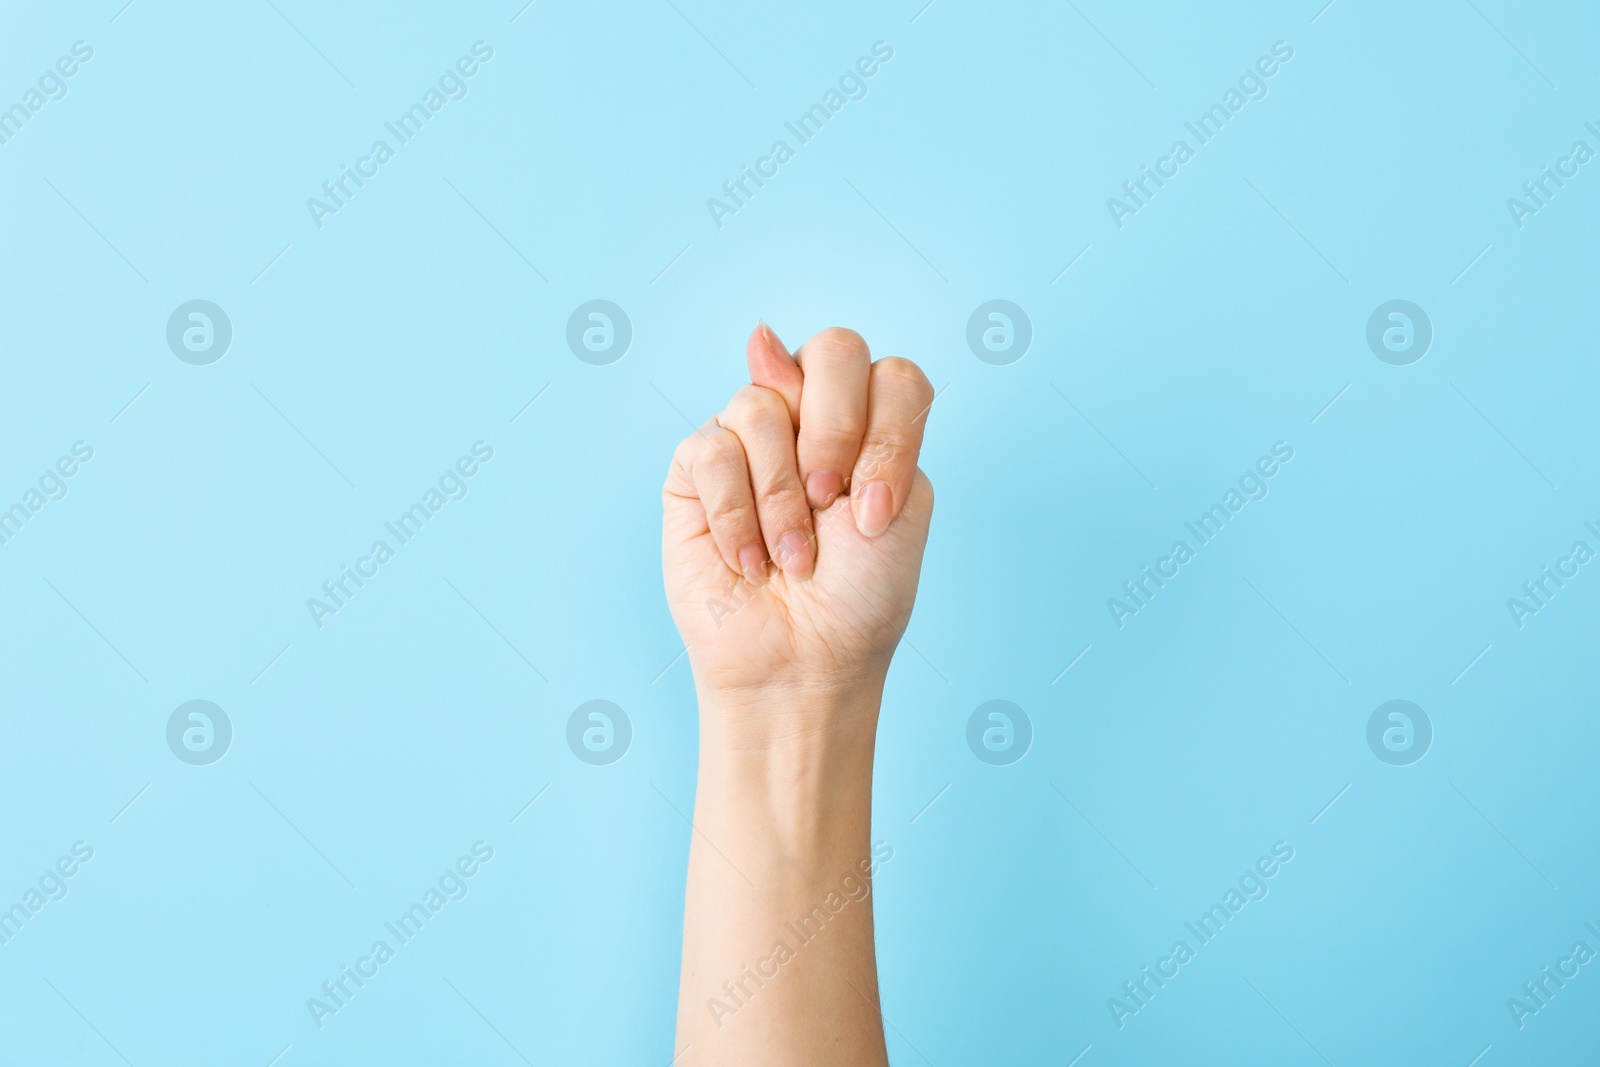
column 793, row 533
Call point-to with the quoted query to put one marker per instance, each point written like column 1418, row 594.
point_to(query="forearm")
column 778, row 960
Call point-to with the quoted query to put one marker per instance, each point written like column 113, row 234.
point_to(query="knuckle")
column 841, row 337
column 900, row 373
column 838, row 345
column 875, row 457
column 755, row 405
column 720, row 454
column 832, row 436
column 784, row 498
column 717, row 439
column 684, row 455
column 731, row 513
column 892, row 441
column 681, row 470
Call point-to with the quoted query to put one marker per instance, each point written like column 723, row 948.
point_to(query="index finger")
column 772, row 366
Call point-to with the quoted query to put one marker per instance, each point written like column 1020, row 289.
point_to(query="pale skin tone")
column 793, row 531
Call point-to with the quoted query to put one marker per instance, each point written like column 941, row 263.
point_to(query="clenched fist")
column 795, row 521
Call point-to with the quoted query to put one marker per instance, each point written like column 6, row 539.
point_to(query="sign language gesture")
column 795, row 519
column 792, row 538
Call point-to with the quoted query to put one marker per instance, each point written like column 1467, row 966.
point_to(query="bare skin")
column 792, row 539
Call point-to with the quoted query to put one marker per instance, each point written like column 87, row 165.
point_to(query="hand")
column 795, row 522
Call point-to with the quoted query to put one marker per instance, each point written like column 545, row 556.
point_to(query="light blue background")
column 1225, row 316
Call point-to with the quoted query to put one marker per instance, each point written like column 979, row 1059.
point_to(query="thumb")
column 772, row 367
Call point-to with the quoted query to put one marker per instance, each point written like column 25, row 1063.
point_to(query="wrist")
column 821, row 719
column 796, row 762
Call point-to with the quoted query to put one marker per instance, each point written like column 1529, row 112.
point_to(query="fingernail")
column 753, row 558
column 794, row 554
column 770, row 339
column 822, row 488
column 874, row 506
